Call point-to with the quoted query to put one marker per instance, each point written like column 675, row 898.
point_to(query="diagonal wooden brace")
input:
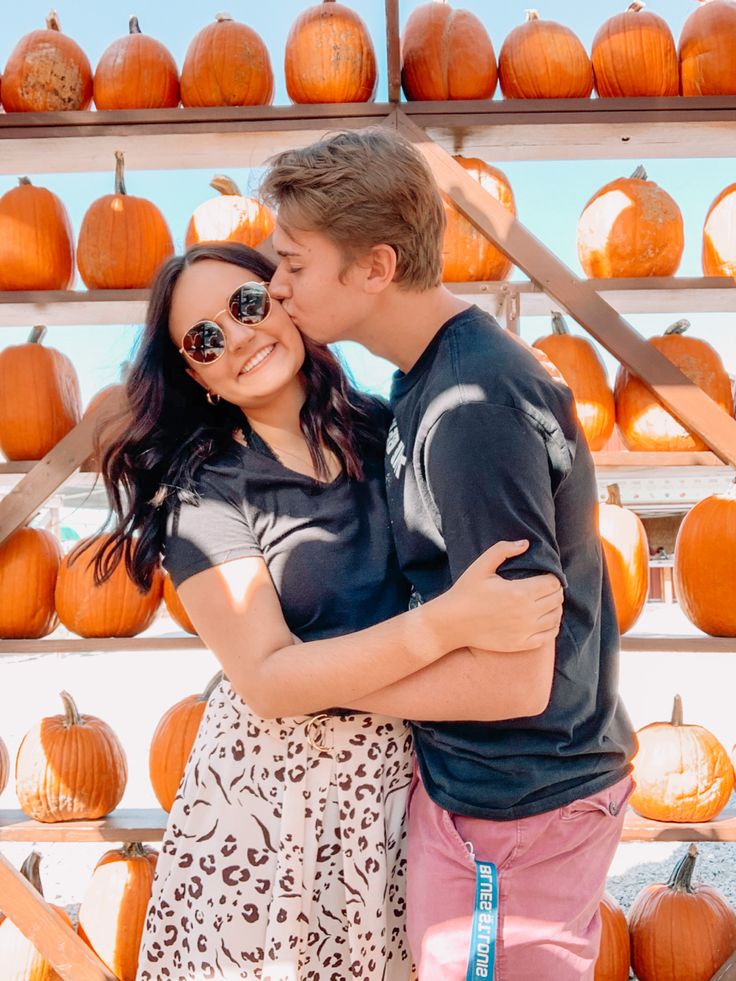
column 695, row 410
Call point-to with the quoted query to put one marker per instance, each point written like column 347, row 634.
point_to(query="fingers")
column 497, row 554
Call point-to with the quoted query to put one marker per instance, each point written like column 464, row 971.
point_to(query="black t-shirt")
column 328, row 547
column 484, row 447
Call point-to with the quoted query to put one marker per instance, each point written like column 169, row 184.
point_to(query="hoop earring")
column 212, row 398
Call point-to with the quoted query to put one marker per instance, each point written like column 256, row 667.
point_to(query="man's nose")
column 278, row 287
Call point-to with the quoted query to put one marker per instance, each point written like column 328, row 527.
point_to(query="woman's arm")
column 236, row 611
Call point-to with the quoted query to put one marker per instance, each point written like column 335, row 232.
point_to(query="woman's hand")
column 484, row 610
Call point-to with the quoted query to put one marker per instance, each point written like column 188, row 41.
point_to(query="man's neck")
column 405, row 323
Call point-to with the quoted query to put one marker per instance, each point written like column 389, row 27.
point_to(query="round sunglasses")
column 248, row 305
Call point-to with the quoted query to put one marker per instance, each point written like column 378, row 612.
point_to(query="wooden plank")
column 625, row 458
column 21, row 503
column 697, row 412
column 73, row 307
column 683, row 643
column 52, row 936
column 393, row 51
column 123, row 825
column 723, row 828
column 98, row 645
column 727, row 971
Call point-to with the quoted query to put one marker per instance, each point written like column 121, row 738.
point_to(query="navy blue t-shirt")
column 486, row 446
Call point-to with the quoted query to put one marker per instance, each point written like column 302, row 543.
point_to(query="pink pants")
column 551, row 871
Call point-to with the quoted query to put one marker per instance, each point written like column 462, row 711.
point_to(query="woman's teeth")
column 257, row 358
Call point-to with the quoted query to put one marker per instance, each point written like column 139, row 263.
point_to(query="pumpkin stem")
column 559, row 324
column 119, row 173
column 31, row 871
column 37, row 335
column 224, row 184
column 677, row 328
column 681, row 878
column 614, row 495
column 639, row 174
column 531, row 15
column 636, row 6
column 133, row 26
column 24, row 182
column 222, row 17
column 213, row 683
column 71, row 712
column 677, row 715
column 134, row 849
column 52, row 21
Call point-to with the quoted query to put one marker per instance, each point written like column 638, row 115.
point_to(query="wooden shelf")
column 623, row 459
column 641, row 829
column 246, row 136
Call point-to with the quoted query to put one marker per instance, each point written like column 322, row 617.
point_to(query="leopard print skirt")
column 284, row 857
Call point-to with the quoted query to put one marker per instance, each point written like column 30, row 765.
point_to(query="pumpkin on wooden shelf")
column 468, row 256
column 329, row 56
column 39, row 398
column 19, row 958
column 541, row 59
column 111, row 422
column 36, row 240
column 70, row 767
column 112, row 913
column 47, row 72
column 707, row 49
column 705, row 564
column 585, row 375
column 680, row 932
column 226, row 64
column 136, row 72
column 123, row 239
column 643, row 421
column 626, row 549
column 29, row 565
column 176, row 608
column 115, row 608
column 614, row 956
column 634, row 55
column 4, row 766
column 172, row 743
column 719, row 235
column 682, row 772
column 231, row 217
column 446, row 54
column 630, row 227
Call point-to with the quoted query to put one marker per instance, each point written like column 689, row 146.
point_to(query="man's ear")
column 380, row 267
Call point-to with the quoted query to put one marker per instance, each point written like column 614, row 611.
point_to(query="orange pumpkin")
column 176, row 608
column 680, row 932
column 19, row 958
column 110, row 424
column 705, row 564
column 231, row 217
column 136, row 72
column 70, row 767
column 172, row 743
column 634, row 54
column 682, row 772
column 446, row 54
column 468, row 255
column 643, row 421
column 585, row 375
column 116, row 608
column 626, row 549
column 47, row 72
column 36, row 240
column 123, row 239
column 719, row 235
column 614, row 957
column 330, row 56
column 39, row 398
column 630, row 227
column 542, row 59
column 4, row 766
column 707, row 49
column 226, row 64
column 29, row 565
column 113, row 910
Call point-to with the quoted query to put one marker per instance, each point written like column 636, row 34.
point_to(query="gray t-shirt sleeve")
column 209, row 531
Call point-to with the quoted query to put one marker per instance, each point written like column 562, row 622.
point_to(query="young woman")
column 255, row 468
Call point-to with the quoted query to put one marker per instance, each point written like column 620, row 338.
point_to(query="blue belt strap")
column 485, row 923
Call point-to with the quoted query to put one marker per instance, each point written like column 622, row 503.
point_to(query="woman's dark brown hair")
column 171, row 429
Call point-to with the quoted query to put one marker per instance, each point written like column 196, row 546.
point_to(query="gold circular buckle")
column 314, row 730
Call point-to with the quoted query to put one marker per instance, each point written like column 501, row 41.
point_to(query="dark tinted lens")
column 204, row 342
column 250, row 303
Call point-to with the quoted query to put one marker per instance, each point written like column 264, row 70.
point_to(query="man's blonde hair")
column 362, row 189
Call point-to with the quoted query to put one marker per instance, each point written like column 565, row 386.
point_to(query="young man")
column 485, row 446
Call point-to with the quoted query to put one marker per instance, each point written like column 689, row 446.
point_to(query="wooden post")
column 52, row 937
column 695, row 410
column 393, row 51
column 727, row 971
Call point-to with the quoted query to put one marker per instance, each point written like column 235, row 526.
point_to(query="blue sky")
column 549, row 195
